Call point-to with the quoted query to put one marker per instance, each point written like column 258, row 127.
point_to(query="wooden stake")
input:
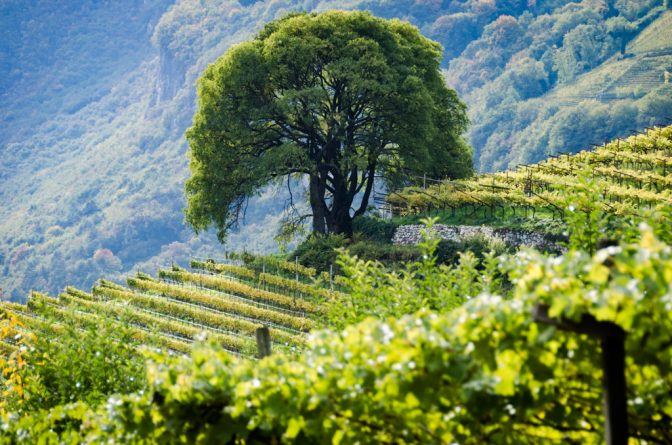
column 263, row 342
column 614, row 393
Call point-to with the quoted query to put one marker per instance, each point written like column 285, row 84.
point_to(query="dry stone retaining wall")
column 411, row 235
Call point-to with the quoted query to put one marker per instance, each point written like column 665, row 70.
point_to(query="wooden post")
column 331, row 276
column 614, row 393
column 263, row 342
column 296, row 268
column 613, row 387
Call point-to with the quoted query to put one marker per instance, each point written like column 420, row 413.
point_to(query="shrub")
column 375, row 229
column 449, row 252
column 319, row 251
column 76, row 365
column 388, row 254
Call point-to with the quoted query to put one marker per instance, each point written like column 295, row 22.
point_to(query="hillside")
column 624, row 177
column 95, row 98
column 424, row 356
column 435, row 347
column 563, row 81
column 224, row 302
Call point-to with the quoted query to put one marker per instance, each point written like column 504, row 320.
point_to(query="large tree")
column 337, row 97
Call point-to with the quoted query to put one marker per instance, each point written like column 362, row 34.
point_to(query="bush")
column 319, row 251
column 76, row 365
column 388, row 254
column 375, row 229
column 449, row 252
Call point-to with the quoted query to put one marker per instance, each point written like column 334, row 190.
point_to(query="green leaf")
column 294, row 427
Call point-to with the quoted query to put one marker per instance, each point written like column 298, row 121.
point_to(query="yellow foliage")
column 13, row 361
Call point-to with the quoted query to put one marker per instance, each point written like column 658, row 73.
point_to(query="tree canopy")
column 338, row 98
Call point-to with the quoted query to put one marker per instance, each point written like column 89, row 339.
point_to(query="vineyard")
column 523, row 362
column 630, row 174
column 223, row 302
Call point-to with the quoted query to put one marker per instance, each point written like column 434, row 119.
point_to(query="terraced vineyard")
column 223, row 302
column 632, row 174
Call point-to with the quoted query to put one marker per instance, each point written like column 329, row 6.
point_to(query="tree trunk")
column 338, row 216
column 339, row 221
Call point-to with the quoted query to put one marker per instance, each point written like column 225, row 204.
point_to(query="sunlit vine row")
column 625, row 189
column 221, row 303
column 151, row 322
column 217, row 320
column 85, row 320
column 240, row 289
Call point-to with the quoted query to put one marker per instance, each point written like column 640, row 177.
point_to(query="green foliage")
column 450, row 252
column 95, row 112
column 374, row 290
column 276, row 264
column 540, row 83
column 484, row 372
column 585, row 216
column 591, row 226
column 374, row 228
column 319, row 251
column 387, row 254
column 201, row 316
column 214, row 300
column 600, row 193
column 336, row 97
column 88, row 366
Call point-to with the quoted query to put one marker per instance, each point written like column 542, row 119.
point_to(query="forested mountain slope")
column 541, row 85
column 95, row 98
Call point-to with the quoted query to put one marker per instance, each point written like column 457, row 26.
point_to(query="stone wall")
column 411, row 234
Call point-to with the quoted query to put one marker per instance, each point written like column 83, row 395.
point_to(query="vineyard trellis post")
column 331, row 276
column 614, row 394
column 263, row 342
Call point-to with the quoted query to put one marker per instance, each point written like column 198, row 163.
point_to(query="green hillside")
column 627, row 175
column 222, row 302
column 656, row 37
column 631, row 75
column 517, row 342
column 554, row 83
column 464, row 337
